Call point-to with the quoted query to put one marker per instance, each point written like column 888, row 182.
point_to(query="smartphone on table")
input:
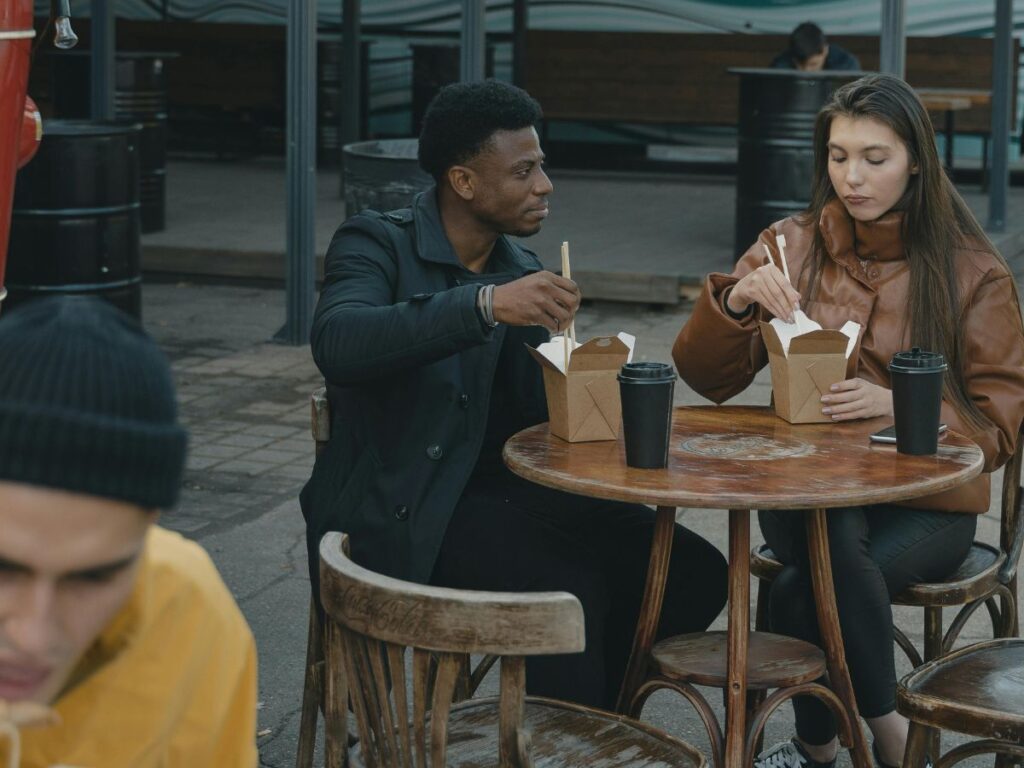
column 888, row 435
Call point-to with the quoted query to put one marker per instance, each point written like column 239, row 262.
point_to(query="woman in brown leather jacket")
column 888, row 242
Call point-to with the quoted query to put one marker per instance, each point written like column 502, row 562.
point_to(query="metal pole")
column 520, row 25
column 471, row 54
column 1002, row 80
column 350, row 110
column 102, row 60
column 893, row 41
column 300, row 169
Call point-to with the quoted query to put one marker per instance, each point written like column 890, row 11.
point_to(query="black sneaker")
column 789, row 754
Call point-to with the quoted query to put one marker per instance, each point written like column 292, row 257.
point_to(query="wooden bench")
column 682, row 78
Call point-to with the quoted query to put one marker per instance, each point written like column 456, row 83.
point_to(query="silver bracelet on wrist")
column 489, row 305
column 485, row 305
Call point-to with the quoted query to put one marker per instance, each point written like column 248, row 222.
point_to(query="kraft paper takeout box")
column 805, row 362
column 584, row 403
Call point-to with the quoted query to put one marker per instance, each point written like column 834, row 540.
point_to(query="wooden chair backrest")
column 1011, row 533
column 372, row 620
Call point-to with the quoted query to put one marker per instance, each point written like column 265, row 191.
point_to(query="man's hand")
column 856, row 399
column 542, row 298
column 768, row 287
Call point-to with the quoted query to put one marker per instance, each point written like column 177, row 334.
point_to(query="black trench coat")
column 409, row 367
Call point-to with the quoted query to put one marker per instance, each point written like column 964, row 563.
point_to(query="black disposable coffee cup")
column 917, row 400
column 646, row 391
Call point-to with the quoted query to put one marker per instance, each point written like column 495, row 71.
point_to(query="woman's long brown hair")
column 937, row 224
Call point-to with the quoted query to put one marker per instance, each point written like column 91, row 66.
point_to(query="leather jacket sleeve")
column 362, row 332
column 715, row 353
column 993, row 369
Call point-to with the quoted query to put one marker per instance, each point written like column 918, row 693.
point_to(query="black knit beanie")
column 87, row 403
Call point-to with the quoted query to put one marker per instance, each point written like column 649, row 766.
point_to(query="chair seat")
column 562, row 735
column 976, row 577
column 978, row 690
column 773, row 661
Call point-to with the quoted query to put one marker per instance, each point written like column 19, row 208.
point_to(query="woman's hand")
column 768, row 287
column 856, row 399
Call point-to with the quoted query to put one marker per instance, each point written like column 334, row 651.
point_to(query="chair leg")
column 932, row 650
column 312, row 692
column 1013, row 630
column 754, row 700
column 932, row 632
column 918, row 751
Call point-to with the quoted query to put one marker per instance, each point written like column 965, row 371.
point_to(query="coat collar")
column 848, row 239
column 432, row 243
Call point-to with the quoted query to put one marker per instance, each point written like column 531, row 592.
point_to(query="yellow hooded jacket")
column 170, row 683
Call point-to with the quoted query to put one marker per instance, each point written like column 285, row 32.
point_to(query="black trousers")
column 507, row 534
column 876, row 552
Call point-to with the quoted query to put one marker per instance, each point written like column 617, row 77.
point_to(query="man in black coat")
column 420, row 333
column 810, row 51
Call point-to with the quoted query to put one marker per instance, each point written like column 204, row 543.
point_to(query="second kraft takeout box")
column 806, row 361
column 584, row 403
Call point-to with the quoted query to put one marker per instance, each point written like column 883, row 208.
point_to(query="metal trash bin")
column 775, row 162
column 382, row 175
column 76, row 218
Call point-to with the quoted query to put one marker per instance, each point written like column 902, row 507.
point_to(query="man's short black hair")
column 464, row 116
column 806, row 40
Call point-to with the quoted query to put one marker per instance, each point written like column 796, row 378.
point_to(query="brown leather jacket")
column 866, row 280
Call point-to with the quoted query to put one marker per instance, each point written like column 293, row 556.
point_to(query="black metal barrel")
column 140, row 97
column 775, row 162
column 75, row 223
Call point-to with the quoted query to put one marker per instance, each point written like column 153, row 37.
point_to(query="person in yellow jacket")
column 123, row 629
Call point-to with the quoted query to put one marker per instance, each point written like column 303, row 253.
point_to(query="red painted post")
column 16, row 35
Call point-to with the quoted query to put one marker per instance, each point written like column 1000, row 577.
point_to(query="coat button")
column 434, row 452
column 401, row 512
column 874, row 274
column 464, row 401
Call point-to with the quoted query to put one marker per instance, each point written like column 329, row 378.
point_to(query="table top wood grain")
column 737, row 457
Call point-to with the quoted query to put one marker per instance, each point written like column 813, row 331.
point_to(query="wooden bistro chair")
column 374, row 621
column 987, row 577
column 978, row 691
column 313, row 683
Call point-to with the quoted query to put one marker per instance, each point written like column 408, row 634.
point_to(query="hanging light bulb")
column 64, row 36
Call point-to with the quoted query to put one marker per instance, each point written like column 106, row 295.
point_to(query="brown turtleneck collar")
column 846, row 238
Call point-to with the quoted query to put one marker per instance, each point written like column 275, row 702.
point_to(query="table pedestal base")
column 745, row 717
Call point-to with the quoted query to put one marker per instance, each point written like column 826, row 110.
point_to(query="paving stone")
column 244, row 441
column 272, row 430
column 303, row 442
column 195, row 461
column 271, row 456
column 225, row 425
column 267, row 408
column 183, row 523
column 294, row 471
column 244, row 467
column 218, row 451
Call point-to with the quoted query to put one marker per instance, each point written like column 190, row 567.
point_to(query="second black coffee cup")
column 646, row 390
column 917, row 378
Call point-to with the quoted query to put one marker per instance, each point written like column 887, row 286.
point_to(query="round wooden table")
column 743, row 458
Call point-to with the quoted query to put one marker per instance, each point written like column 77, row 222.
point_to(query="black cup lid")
column 917, row 361
column 649, row 372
